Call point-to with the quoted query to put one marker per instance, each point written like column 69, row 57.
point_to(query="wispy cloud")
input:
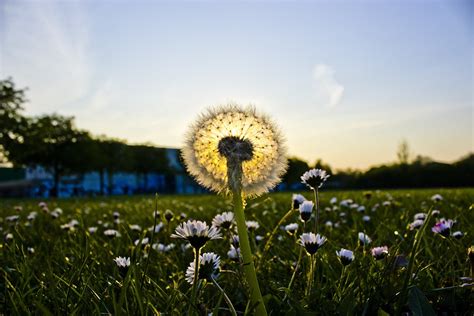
column 46, row 48
column 328, row 90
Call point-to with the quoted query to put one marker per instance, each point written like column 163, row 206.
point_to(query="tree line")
column 53, row 142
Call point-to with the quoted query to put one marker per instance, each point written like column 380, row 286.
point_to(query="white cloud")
column 328, row 90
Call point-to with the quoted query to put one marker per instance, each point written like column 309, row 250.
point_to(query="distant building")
column 38, row 182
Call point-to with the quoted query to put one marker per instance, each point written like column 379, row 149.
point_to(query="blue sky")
column 345, row 80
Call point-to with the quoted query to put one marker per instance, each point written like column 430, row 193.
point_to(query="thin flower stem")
column 227, row 299
column 197, row 253
column 316, row 201
column 294, row 274
column 273, row 233
column 248, row 264
column 311, row 275
column 151, row 241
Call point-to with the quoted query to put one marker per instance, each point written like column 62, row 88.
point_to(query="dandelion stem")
column 248, row 264
column 227, row 299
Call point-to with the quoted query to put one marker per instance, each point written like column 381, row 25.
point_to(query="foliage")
column 72, row 271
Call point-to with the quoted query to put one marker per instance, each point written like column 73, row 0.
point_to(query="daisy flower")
column 379, row 252
column 314, row 178
column 312, row 242
column 233, row 253
column 437, row 198
column 291, row 228
column 252, row 225
column 224, row 220
column 197, row 233
column 306, row 208
column 458, row 234
column 208, row 268
column 417, row 223
column 296, row 200
column 364, row 239
column 122, row 262
column 442, row 227
column 345, row 256
column 112, row 233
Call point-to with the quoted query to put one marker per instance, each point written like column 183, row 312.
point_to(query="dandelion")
column 314, row 178
column 458, row 234
column 297, row 200
column 437, row 198
column 224, row 220
column 208, row 270
column 379, row 252
column 312, row 242
column 291, row 228
column 364, row 239
column 112, row 233
column 230, row 135
column 197, row 233
column 238, row 151
column 306, row 209
column 252, row 225
column 345, row 256
column 442, row 227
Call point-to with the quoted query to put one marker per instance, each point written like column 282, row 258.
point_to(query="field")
column 54, row 266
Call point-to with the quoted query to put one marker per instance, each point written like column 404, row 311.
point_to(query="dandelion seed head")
column 233, row 132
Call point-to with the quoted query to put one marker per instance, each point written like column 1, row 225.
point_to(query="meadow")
column 56, row 259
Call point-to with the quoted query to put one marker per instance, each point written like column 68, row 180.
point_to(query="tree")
column 319, row 164
column 296, row 168
column 12, row 122
column 403, row 152
column 148, row 159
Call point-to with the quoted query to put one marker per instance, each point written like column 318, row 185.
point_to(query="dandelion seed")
column 312, row 242
column 345, row 256
column 379, row 252
column 314, row 178
column 208, row 268
column 297, row 200
column 306, row 209
column 224, row 220
column 364, row 239
column 197, row 233
column 236, row 134
column 443, row 227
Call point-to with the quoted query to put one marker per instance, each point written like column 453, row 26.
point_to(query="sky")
column 346, row 81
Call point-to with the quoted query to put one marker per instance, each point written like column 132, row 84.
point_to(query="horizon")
column 346, row 82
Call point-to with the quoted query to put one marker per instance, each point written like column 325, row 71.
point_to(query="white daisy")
column 314, row 178
column 224, row 220
column 208, row 268
column 312, row 242
column 346, row 256
column 197, row 233
column 306, row 209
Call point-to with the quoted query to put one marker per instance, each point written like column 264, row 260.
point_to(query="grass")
column 73, row 272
